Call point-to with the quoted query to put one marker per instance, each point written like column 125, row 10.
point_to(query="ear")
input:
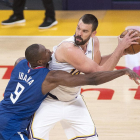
column 93, row 33
column 39, row 62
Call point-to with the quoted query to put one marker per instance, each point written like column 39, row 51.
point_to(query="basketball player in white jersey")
column 64, row 104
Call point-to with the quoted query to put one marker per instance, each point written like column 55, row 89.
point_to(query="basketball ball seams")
column 133, row 48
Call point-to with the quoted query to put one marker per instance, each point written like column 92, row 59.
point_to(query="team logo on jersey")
column 28, row 71
column 89, row 51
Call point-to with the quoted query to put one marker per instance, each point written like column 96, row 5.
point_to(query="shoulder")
column 68, row 47
column 96, row 42
column 67, row 44
column 18, row 60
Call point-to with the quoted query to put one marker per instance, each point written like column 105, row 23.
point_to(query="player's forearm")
column 112, row 60
column 104, row 59
column 95, row 78
column 104, row 76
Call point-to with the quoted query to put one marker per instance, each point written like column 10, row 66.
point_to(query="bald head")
column 32, row 53
column 37, row 55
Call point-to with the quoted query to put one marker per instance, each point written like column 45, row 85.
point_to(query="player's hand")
column 134, row 76
column 128, row 40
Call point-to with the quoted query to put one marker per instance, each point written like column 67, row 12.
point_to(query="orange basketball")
column 134, row 48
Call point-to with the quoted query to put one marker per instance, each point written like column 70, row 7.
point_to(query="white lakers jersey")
column 64, row 93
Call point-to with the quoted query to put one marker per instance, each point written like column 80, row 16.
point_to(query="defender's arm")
column 55, row 78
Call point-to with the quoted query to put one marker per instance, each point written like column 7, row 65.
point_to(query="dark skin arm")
column 18, row 60
column 55, row 78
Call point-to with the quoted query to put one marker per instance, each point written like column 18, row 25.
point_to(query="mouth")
column 78, row 39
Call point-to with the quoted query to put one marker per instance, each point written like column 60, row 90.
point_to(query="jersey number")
column 19, row 89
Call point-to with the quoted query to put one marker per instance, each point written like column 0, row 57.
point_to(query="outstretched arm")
column 55, row 78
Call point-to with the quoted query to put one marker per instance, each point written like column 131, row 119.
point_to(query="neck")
column 33, row 66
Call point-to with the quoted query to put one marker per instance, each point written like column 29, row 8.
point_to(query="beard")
column 82, row 42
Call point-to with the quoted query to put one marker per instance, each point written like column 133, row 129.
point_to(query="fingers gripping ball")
column 134, row 48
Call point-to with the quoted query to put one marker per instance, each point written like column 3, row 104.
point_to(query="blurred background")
column 113, row 15
column 79, row 4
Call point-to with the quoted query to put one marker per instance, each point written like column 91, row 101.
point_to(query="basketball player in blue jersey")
column 30, row 83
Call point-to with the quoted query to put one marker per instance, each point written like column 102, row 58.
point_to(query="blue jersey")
column 22, row 97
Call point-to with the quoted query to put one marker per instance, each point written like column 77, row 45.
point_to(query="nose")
column 79, row 33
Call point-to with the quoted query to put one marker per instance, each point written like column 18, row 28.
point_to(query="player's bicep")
column 79, row 60
column 50, row 82
column 55, row 78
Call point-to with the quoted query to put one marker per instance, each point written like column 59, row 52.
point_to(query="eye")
column 85, row 31
column 78, row 28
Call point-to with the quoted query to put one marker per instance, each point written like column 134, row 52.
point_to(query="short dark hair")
column 32, row 53
column 90, row 19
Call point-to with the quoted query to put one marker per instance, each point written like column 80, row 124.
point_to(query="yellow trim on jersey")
column 92, row 49
column 33, row 132
column 74, row 72
column 83, row 136
column 94, row 126
column 88, row 110
column 86, row 135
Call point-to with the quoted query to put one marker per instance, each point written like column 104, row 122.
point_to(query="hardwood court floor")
column 114, row 106
column 115, row 112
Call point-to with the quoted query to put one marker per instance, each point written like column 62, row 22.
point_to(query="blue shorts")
column 12, row 127
column 17, row 136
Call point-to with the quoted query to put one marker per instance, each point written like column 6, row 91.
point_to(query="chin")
column 78, row 43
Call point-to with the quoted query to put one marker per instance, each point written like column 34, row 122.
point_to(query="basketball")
column 134, row 48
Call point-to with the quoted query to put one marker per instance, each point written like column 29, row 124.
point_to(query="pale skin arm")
column 75, row 56
column 55, row 78
column 97, row 54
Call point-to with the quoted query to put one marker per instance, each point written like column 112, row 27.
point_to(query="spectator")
column 18, row 16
